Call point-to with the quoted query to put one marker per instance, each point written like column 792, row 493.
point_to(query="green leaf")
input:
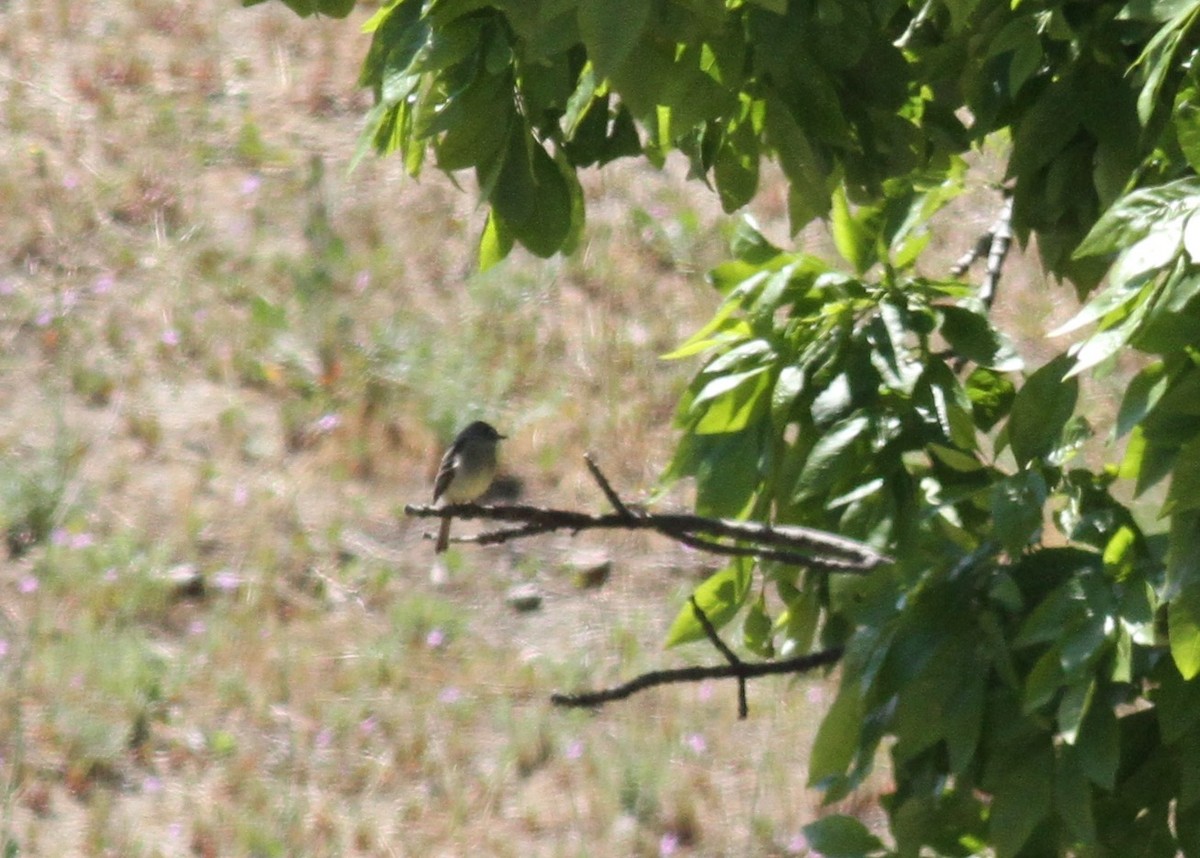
column 1022, row 795
column 1183, row 592
column 1115, row 296
column 495, row 243
column 833, row 453
column 304, row 8
column 1184, row 493
column 732, row 402
column 951, row 406
column 1118, row 331
column 1073, row 796
column 893, row 355
column 1159, row 56
column 720, row 597
column 788, row 387
column 837, row 738
column 972, row 337
column 726, row 468
column 1041, row 410
column 533, row 197
column 841, row 837
column 1073, row 707
column 962, row 720
column 1139, row 213
column 756, row 629
column 1174, row 419
column 806, row 171
column 1098, row 746
column 1176, row 704
column 474, row 124
column 748, row 244
column 1046, row 621
column 799, row 621
column 1186, row 119
column 1183, row 623
column 335, row 8
column 1043, row 682
column 957, row 460
column 1016, row 507
column 611, row 29
column 991, row 396
column 1150, row 255
column 1120, row 552
column 722, row 328
column 854, row 241
column 736, row 167
column 1141, row 395
column 722, row 384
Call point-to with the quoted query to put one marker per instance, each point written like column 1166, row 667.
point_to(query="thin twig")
column 791, row 558
column 711, row 633
column 730, row 655
column 606, row 487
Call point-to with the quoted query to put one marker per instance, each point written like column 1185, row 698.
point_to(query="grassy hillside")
column 227, row 361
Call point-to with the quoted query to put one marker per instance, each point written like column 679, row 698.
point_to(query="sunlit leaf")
column 720, row 597
column 855, row 242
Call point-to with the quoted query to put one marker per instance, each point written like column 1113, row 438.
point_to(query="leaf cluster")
column 1005, row 653
column 843, row 95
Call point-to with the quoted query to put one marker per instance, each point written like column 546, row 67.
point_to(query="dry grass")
column 227, row 362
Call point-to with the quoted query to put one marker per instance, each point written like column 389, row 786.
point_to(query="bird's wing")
column 445, row 472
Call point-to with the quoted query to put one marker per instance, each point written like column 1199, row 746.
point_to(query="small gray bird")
column 466, row 471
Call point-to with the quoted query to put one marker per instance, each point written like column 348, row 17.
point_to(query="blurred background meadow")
column 226, row 363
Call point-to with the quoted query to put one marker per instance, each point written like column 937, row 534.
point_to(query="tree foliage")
column 1030, row 661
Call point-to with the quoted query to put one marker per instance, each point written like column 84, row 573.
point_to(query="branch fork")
column 782, row 543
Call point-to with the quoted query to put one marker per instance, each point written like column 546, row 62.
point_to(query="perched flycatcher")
column 466, row 471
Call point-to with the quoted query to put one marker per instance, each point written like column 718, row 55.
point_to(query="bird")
column 466, row 472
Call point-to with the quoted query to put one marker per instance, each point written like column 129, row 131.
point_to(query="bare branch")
column 828, row 564
column 1002, row 236
column 743, row 671
column 978, row 249
column 792, row 543
column 785, row 543
column 996, row 243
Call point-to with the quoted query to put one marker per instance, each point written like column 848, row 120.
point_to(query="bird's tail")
column 443, row 539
